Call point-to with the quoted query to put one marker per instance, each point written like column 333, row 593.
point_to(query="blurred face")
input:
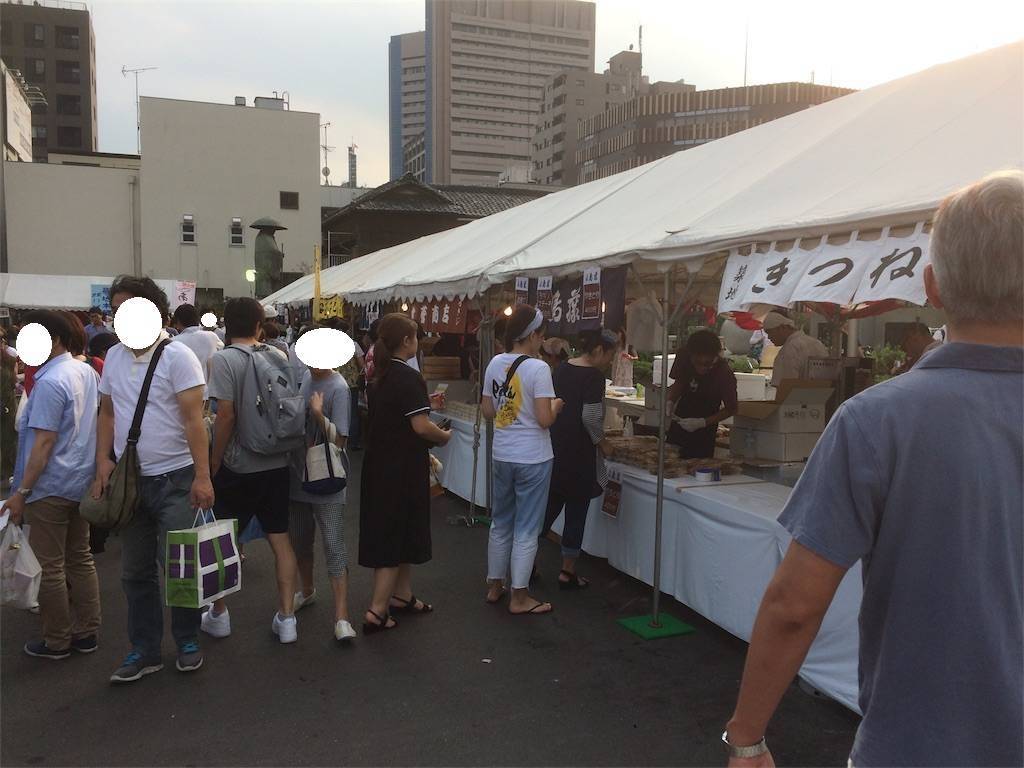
column 96, row 318
column 779, row 335
column 702, row 363
column 913, row 345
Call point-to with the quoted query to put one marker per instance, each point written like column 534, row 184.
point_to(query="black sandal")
column 370, row 628
column 574, row 582
column 533, row 610
column 409, row 606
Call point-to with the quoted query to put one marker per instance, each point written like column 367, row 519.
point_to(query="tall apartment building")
column 486, row 62
column 667, row 120
column 406, row 95
column 570, row 96
column 52, row 44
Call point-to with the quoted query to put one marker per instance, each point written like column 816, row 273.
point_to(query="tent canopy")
column 883, row 156
column 25, row 291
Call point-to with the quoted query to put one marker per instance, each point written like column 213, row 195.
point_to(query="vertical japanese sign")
column 591, row 294
column 100, row 297
column 522, row 290
column 544, row 294
column 184, row 293
column 612, row 492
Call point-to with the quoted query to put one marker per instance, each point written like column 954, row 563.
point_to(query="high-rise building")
column 669, row 119
column 406, row 95
column 51, row 42
column 485, row 65
column 570, row 96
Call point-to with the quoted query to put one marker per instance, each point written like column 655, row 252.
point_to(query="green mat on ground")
column 670, row 626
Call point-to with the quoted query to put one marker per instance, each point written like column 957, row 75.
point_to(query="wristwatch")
column 25, row 492
column 754, row 750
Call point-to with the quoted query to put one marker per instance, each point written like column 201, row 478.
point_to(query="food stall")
column 794, row 211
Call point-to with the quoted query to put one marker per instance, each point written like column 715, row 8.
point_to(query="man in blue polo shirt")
column 921, row 479
column 55, row 465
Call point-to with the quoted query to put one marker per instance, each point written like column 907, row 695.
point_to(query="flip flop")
column 533, row 610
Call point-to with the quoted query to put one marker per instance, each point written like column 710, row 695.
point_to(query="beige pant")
column 59, row 537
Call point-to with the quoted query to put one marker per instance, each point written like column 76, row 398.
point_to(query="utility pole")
column 138, row 120
column 746, row 50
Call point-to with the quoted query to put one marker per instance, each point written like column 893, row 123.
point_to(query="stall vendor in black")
column 703, row 394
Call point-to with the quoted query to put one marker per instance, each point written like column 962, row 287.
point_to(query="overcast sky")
column 332, row 56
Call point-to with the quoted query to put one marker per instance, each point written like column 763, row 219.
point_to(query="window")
column 35, row 35
column 290, row 201
column 66, row 37
column 39, row 132
column 579, row 102
column 237, row 237
column 69, row 136
column 69, row 72
column 580, row 83
column 35, row 70
column 39, row 109
column 69, row 105
column 188, row 229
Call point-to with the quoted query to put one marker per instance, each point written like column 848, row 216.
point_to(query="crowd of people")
column 930, row 504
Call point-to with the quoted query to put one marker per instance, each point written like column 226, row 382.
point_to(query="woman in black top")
column 576, row 439
column 702, row 395
column 394, row 514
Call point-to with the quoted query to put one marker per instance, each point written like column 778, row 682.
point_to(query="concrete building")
column 486, row 62
column 207, row 172
column 570, row 96
column 406, row 95
column 51, row 42
column 226, row 166
column 673, row 117
column 16, row 101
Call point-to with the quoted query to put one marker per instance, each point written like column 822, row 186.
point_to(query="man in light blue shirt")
column 55, row 465
column 921, row 479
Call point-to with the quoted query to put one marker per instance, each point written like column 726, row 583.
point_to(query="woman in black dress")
column 577, row 439
column 394, row 514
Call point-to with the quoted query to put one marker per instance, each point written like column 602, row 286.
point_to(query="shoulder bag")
column 116, row 507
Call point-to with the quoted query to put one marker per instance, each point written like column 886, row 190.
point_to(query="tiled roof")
column 407, row 195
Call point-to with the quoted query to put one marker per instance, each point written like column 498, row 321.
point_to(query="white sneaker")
column 343, row 631
column 217, row 626
column 300, row 600
column 286, row 628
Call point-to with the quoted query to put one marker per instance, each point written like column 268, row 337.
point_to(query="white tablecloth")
column 720, row 546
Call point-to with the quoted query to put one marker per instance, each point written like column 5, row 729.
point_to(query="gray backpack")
column 270, row 413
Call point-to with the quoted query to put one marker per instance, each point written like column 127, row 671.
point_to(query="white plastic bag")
column 20, row 572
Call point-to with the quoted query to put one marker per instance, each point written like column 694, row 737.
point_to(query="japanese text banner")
column 845, row 274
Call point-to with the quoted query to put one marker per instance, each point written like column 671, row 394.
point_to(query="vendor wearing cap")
column 703, row 394
column 796, row 348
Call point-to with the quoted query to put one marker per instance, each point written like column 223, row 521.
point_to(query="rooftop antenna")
column 125, row 71
column 746, row 49
column 640, row 47
column 327, row 149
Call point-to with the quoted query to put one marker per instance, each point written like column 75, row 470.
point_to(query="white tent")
column 886, row 155
column 25, row 291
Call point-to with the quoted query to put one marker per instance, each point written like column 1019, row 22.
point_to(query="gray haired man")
column 934, row 512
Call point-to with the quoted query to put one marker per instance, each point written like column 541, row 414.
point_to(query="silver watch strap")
column 754, row 750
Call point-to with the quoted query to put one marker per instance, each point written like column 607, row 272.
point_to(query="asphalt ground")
column 467, row 685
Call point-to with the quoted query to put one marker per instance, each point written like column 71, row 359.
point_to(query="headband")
column 533, row 326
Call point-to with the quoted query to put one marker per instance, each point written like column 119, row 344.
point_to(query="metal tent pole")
column 662, row 434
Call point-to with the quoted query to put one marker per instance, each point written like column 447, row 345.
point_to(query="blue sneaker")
column 41, row 650
column 135, row 667
column 190, row 658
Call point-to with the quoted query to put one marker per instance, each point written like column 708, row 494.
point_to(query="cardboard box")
column 799, row 407
column 776, row 446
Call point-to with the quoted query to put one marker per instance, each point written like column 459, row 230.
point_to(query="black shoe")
column 41, row 650
column 85, row 644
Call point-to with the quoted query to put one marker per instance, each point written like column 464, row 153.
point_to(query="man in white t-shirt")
column 173, row 453
column 797, row 348
column 204, row 343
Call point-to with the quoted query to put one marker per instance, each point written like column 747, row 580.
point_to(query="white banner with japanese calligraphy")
column 846, row 274
column 184, row 293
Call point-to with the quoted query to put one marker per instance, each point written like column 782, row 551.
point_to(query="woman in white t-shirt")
column 522, row 411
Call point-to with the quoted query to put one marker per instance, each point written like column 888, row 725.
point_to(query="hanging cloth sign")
column 544, row 292
column 845, row 274
column 592, row 294
column 522, row 290
column 184, row 293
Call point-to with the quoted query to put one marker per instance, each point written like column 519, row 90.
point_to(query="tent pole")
column 486, row 353
column 662, row 433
